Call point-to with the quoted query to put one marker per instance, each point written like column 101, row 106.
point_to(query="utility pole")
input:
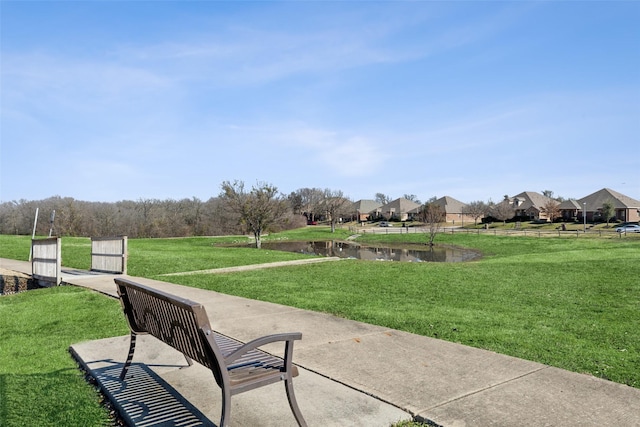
column 51, row 218
column 33, row 234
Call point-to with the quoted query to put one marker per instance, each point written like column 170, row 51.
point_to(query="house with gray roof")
column 529, row 204
column 398, row 209
column 570, row 210
column 453, row 210
column 364, row 210
column 625, row 208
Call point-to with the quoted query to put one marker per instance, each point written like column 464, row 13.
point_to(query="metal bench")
column 183, row 324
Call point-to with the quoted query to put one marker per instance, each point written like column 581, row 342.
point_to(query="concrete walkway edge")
column 255, row 266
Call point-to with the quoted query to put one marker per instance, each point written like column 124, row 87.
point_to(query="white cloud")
column 354, row 157
column 334, row 152
column 58, row 74
column 257, row 52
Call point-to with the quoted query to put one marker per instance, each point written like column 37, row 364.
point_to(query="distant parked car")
column 629, row 228
column 385, row 224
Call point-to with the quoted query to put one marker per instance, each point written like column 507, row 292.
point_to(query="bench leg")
column 132, row 348
column 188, row 359
column 226, row 407
column 288, row 384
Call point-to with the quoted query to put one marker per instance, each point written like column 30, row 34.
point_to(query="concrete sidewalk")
column 360, row 374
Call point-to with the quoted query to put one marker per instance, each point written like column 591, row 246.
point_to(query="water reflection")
column 353, row 250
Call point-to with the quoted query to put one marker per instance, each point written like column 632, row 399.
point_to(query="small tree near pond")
column 431, row 214
column 258, row 210
column 335, row 205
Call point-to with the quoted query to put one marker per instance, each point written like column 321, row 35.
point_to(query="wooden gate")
column 109, row 254
column 46, row 261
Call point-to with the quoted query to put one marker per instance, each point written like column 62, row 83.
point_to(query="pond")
column 342, row 249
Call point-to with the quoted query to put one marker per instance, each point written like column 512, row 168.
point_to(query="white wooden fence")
column 46, row 261
column 109, row 254
column 489, row 231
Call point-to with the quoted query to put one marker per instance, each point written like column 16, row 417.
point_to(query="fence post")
column 46, row 261
column 109, row 254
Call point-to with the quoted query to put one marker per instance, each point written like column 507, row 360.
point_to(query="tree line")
column 236, row 210
column 140, row 218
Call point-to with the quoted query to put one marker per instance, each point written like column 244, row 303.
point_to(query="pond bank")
column 376, row 252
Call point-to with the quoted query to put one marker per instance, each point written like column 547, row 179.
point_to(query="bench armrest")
column 288, row 338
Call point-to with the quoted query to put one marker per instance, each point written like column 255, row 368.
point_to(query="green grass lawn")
column 149, row 257
column 571, row 302
column 40, row 384
column 567, row 303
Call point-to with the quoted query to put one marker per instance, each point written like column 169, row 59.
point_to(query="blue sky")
column 128, row 100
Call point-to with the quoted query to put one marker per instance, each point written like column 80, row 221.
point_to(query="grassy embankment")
column 567, row 302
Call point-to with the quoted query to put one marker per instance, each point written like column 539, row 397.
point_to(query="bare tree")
column 432, row 215
column 502, row 211
column 307, row 201
column 297, row 202
column 552, row 209
column 192, row 215
column 382, row 198
column 259, row 209
column 16, row 217
column 335, row 205
column 476, row 209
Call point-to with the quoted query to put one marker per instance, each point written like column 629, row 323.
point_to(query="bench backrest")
column 173, row 320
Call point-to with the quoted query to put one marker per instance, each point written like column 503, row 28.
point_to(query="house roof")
column 400, row 205
column 620, row 201
column 530, row 199
column 570, row 205
column 450, row 205
column 366, row 206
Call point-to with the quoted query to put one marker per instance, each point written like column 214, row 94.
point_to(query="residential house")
column 529, row 204
column 398, row 209
column 453, row 210
column 570, row 210
column 364, row 210
column 625, row 208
